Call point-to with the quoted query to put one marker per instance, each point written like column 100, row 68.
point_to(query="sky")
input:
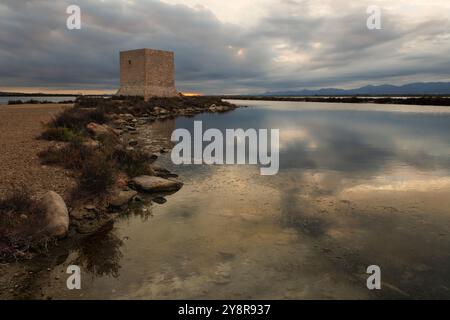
column 225, row 46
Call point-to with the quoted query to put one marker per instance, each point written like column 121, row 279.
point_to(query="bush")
column 59, row 134
column 20, row 235
column 71, row 156
column 77, row 119
column 18, row 201
column 98, row 174
column 133, row 162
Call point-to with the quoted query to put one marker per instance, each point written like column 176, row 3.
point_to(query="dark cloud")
column 292, row 47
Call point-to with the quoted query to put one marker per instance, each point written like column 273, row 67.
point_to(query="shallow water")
column 358, row 185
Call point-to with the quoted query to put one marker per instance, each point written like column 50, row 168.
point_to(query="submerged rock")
column 155, row 184
column 163, row 173
column 122, row 198
column 94, row 226
column 56, row 215
column 160, row 200
column 82, row 214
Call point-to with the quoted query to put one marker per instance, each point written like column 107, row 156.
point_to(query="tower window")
column 129, row 61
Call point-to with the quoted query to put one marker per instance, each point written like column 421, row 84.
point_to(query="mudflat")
column 20, row 125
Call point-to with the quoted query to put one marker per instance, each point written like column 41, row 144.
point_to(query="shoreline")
column 403, row 100
column 112, row 172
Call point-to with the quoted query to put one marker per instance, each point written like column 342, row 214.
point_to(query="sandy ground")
column 19, row 163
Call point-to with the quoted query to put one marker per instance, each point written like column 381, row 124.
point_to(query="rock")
column 128, row 116
column 149, row 155
column 100, row 129
column 160, row 200
column 77, row 214
column 56, row 214
column 90, row 207
column 163, row 173
column 121, row 182
column 155, row 184
column 214, row 108
column 122, row 198
column 90, row 143
column 133, row 143
column 103, row 222
column 120, row 122
column 130, row 128
column 159, row 110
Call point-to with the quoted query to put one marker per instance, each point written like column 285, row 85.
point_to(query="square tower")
column 147, row 73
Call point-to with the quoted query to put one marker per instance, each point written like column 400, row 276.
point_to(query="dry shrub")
column 133, row 162
column 98, row 174
column 77, row 118
column 59, row 134
column 21, row 224
column 70, row 156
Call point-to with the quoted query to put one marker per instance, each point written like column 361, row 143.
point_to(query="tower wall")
column 147, row 73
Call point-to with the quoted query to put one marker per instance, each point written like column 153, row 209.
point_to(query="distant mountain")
column 421, row 88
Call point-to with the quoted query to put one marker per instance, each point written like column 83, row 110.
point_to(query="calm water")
column 358, row 185
column 4, row 100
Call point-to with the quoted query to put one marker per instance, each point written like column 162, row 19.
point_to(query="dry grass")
column 98, row 174
column 77, row 118
column 70, row 156
column 21, row 225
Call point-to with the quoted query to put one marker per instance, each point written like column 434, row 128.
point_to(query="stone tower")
column 147, row 73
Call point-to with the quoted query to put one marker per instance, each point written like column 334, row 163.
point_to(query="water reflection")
column 100, row 254
column 358, row 185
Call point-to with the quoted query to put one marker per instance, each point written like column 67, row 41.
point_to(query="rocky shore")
column 96, row 141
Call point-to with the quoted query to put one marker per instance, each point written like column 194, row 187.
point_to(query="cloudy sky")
column 226, row 46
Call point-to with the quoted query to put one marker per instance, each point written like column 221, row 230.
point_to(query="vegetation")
column 98, row 167
column 77, row 118
column 97, row 156
column 21, row 220
column 70, row 156
column 59, row 134
column 133, row 162
column 98, row 174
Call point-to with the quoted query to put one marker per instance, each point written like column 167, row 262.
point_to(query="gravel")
column 20, row 125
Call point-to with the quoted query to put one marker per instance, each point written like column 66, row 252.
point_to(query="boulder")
column 56, row 215
column 100, row 129
column 122, row 198
column 155, row 184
